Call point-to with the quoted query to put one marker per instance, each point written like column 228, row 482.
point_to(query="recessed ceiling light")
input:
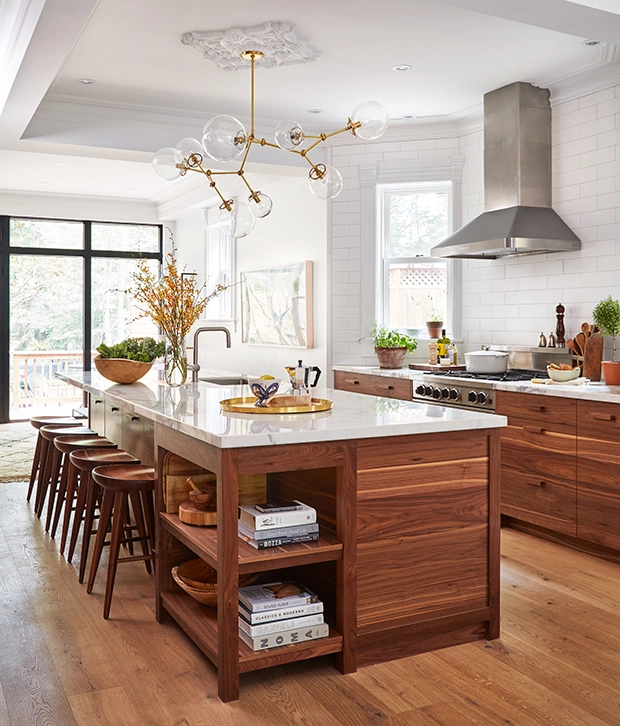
column 315, row 110
column 408, row 115
column 131, row 189
column 86, row 81
column 402, row 67
column 591, row 42
column 60, row 163
column 41, row 181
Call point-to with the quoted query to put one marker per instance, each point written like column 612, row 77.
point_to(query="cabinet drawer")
column 543, row 500
column 596, row 420
column 547, row 453
column 114, row 423
column 599, row 515
column 551, row 413
column 374, row 385
column 96, row 414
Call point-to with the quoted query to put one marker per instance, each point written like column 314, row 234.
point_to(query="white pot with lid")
column 486, row 361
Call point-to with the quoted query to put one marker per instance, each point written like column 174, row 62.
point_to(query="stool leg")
column 63, row 497
column 92, row 495
column 43, row 473
column 72, row 486
column 36, row 465
column 78, row 516
column 119, row 516
column 51, row 479
column 57, row 491
column 104, row 524
column 138, row 514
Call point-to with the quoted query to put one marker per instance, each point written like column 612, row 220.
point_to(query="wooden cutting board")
column 593, row 355
column 189, row 514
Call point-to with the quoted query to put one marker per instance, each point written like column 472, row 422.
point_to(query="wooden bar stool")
column 57, row 489
column 50, row 459
column 122, row 483
column 88, row 496
column 38, row 422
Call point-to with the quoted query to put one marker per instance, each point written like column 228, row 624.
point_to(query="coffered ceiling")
column 60, row 135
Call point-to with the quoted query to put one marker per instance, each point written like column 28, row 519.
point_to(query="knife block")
column 592, row 356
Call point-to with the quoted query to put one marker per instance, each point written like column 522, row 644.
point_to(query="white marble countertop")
column 194, row 409
column 588, row 392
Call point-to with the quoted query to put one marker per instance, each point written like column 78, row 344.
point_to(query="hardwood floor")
column 61, row 664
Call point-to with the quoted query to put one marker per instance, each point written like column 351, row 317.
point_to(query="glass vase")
column 175, row 370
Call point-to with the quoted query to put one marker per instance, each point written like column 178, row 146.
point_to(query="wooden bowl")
column 206, row 594
column 121, row 370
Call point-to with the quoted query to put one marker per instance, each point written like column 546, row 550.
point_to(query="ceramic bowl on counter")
column 561, row 376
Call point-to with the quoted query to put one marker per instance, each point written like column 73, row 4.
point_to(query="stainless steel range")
column 460, row 389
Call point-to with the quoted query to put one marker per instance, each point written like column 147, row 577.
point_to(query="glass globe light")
column 261, row 208
column 188, row 146
column 165, row 163
column 224, row 138
column 373, row 118
column 326, row 186
column 237, row 223
column 289, row 135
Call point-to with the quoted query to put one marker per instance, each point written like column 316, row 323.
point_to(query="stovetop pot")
column 486, row 361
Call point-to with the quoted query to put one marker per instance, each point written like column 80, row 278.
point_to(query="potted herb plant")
column 391, row 346
column 606, row 316
column 434, row 324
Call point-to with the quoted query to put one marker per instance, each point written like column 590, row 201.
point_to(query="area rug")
column 17, row 442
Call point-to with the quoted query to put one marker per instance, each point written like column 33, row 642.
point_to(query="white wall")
column 294, row 231
column 513, row 300
column 506, row 301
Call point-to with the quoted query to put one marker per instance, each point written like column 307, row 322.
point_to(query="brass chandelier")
column 225, row 139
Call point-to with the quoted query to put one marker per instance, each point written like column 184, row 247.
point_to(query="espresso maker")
column 300, row 376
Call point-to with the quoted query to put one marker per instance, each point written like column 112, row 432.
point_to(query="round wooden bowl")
column 206, row 594
column 121, row 370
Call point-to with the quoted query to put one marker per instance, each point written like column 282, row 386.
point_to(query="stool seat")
column 38, row 421
column 120, row 477
column 50, row 432
column 88, row 459
column 67, row 444
column 122, row 484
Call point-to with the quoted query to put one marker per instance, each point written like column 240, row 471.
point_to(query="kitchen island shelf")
column 203, row 542
column 200, row 623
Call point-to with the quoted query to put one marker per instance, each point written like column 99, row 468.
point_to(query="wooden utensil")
column 586, row 329
column 569, row 344
column 593, row 355
column 580, row 340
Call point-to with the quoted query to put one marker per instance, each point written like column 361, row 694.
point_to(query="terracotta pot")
column 391, row 357
column 434, row 328
column 611, row 371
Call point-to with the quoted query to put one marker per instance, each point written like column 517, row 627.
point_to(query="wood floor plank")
column 557, row 662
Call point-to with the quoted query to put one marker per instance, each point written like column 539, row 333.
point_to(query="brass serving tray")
column 247, row 405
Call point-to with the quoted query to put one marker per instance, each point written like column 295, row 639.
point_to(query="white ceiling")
column 60, row 136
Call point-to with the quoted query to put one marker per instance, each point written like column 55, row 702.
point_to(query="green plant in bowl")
column 391, row 346
column 144, row 350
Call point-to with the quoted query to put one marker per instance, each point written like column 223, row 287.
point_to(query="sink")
column 225, row 380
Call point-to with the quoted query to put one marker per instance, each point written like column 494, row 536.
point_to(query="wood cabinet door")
column 598, row 473
column 96, row 414
column 401, row 388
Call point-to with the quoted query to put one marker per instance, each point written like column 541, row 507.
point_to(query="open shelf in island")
column 200, row 623
column 203, row 541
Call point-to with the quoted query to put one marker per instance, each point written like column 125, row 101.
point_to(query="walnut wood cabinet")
column 408, row 555
column 373, row 385
column 561, row 467
column 131, row 432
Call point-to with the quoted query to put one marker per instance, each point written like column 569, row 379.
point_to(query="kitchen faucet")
column 195, row 367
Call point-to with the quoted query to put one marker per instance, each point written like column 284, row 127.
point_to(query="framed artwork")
column 276, row 307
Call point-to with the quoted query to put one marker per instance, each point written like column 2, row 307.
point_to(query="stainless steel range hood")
column 517, row 182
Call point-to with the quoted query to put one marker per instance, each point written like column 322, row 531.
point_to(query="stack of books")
column 279, row 613
column 277, row 523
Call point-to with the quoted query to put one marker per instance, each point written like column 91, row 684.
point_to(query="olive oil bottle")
column 442, row 345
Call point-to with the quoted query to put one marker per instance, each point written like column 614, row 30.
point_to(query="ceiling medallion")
column 277, row 41
column 224, row 138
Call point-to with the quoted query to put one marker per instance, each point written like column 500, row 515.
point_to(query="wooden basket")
column 121, row 370
column 207, row 595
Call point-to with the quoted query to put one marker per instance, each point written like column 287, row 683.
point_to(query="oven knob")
column 428, row 390
column 454, row 394
column 445, row 393
column 420, row 390
column 436, row 393
column 482, row 398
column 471, row 397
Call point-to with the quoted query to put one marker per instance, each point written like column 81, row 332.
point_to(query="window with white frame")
column 219, row 270
column 414, row 287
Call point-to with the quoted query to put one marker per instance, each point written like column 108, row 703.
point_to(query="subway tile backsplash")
column 503, row 301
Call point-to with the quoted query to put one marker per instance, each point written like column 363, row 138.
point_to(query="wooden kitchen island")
column 408, row 503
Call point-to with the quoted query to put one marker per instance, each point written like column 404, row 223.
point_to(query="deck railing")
column 34, row 382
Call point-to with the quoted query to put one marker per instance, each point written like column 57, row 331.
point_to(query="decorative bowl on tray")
column 263, row 388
